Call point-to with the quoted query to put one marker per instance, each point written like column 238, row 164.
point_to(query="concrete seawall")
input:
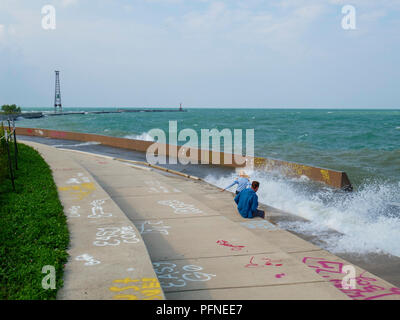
column 333, row 178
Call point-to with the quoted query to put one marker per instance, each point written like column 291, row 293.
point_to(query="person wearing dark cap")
column 247, row 202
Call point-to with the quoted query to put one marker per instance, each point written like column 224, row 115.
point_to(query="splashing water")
column 144, row 136
column 368, row 220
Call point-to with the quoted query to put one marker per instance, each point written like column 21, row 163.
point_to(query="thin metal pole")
column 15, row 147
column 9, row 162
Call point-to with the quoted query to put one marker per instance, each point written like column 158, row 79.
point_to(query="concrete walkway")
column 108, row 259
column 131, row 226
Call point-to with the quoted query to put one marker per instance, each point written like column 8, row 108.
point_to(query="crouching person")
column 247, row 202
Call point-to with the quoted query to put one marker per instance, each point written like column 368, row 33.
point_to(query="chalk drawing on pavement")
column 367, row 288
column 156, row 187
column 263, row 262
column 136, row 289
column 180, row 207
column 73, row 212
column 114, row 236
column 80, row 191
column 170, row 275
column 79, row 185
column 227, row 244
column 151, row 227
column 90, row 261
column 97, row 210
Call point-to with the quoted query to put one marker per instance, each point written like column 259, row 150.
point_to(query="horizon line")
column 217, row 107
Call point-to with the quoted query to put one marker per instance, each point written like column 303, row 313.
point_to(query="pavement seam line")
column 255, row 286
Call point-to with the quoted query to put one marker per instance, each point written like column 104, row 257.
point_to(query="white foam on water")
column 366, row 219
column 144, row 136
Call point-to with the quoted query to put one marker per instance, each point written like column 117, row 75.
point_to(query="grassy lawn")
column 33, row 230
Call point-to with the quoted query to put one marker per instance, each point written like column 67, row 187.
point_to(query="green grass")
column 33, row 230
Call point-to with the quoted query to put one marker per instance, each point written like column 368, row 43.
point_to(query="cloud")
column 207, row 50
column 2, row 32
column 67, row 3
column 165, row 1
column 252, row 24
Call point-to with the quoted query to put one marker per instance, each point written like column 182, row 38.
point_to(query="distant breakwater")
column 35, row 115
column 15, row 116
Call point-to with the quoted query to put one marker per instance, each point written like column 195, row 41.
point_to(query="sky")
column 203, row 53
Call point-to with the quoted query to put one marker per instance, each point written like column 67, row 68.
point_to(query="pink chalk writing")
column 366, row 288
column 267, row 262
column 321, row 265
column 227, row 244
column 280, row 275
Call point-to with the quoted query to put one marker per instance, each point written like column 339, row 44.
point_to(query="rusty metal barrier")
column 333, row 178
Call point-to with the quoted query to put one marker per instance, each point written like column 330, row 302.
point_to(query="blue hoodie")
column 247, row 202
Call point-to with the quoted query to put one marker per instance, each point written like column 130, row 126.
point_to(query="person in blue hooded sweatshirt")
column 247, row 202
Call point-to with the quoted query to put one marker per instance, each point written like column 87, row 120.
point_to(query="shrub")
column 9, row 109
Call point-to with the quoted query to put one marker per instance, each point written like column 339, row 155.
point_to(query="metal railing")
column 9, row 137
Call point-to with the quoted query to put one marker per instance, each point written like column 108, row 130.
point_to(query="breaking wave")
column 367, row 220
column 144, row 136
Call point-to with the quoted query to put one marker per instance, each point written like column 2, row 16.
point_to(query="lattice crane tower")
column 57, row 98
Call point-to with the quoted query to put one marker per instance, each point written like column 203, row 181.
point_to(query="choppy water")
column 364, row 143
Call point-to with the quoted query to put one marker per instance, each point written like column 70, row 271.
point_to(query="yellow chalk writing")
column 126, row 280
column 145, row 289
column 126, row 297
column 81, row 191
column 116, row 289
